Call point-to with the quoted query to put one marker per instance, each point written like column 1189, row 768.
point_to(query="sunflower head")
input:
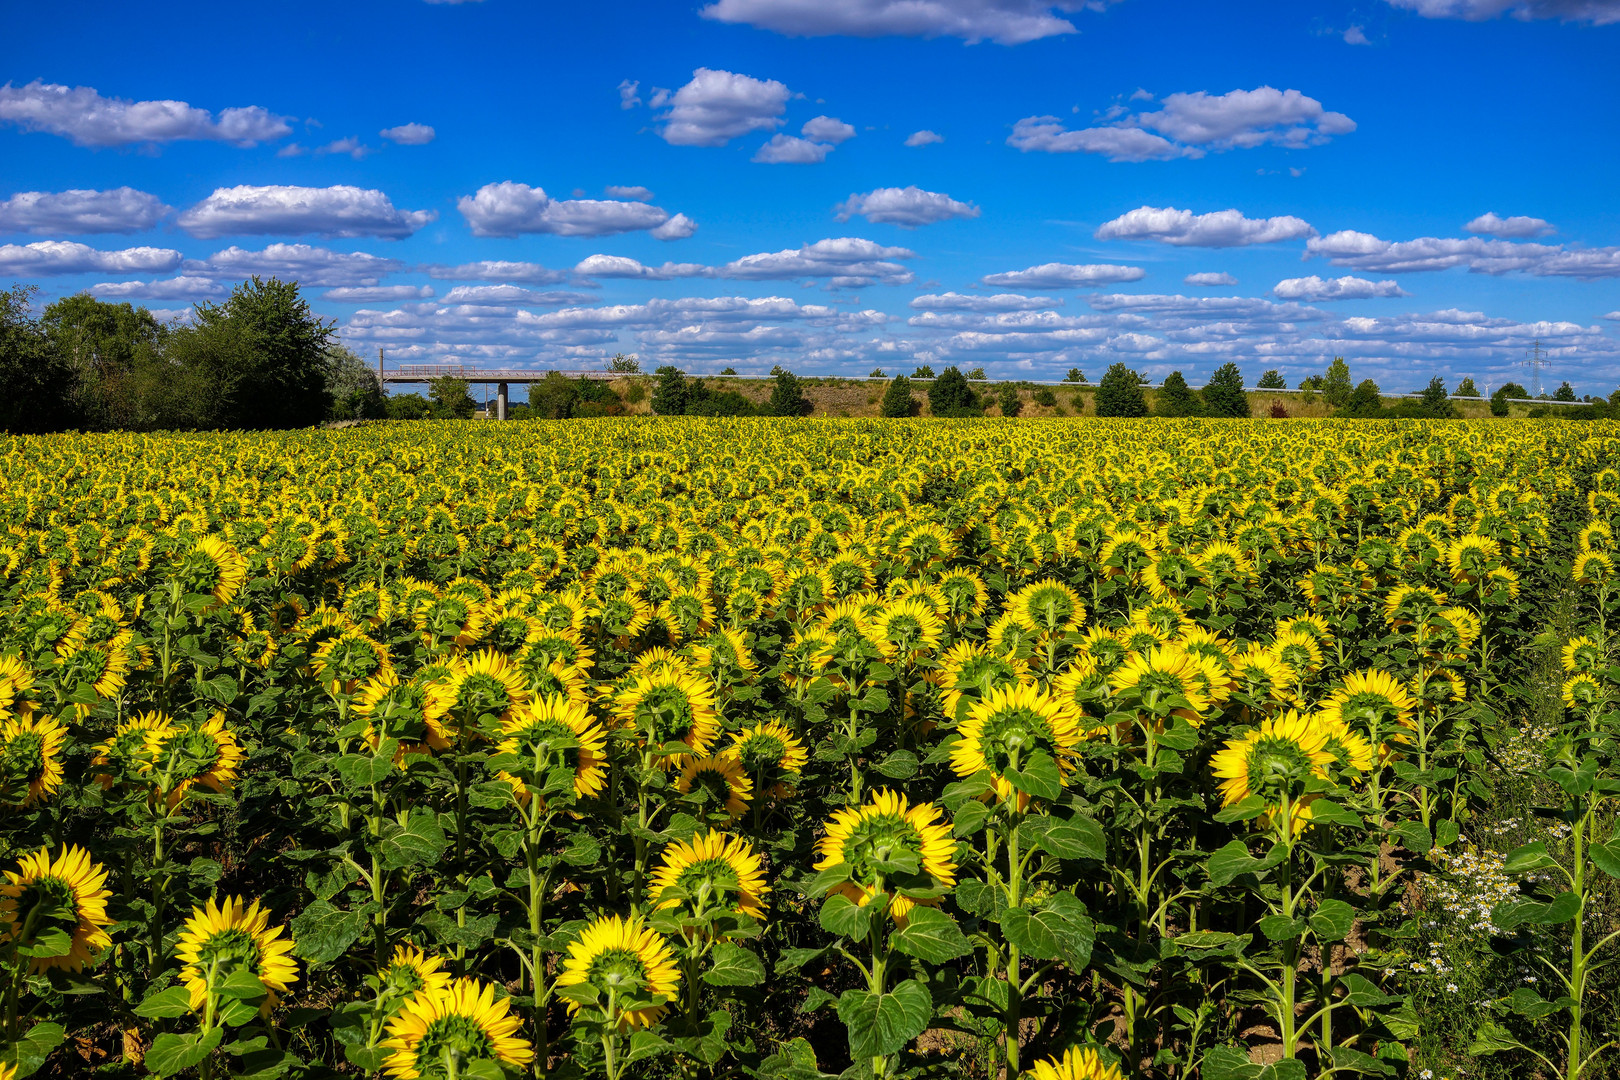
column 441, row 1031
column 130, row 750
column 1583, row 654
column 31, row 747
column 484, row 688
column 224, row 937
column 669, row 705
column 1006, row 728
column 411, row 971
column 615, row 958
column 1584, row 691
column 552, row 734
column 187, row 756
column 771, row 756
column 719, row 784
column 887, row 841
column 1275, row 760
column 1047, row 609
column 1163, row 682
column 711, row 873
column 67, row 894
column 411, row 713
column 1076, row 1064
column 1373, row 700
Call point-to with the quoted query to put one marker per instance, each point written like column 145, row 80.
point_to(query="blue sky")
column 1422, row 186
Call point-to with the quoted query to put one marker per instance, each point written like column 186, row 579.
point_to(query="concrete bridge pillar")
column 500, row 401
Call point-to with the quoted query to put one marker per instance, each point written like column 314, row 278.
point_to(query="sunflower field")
column 677, row 748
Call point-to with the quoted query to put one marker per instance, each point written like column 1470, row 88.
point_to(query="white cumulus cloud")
column 1363, row 251
column 81, row 114
column 953, row 301
column 844, row 261
column 678, row 227
column 1597, row 12
column 1517, row 227
column 1210, row 279
column 620, row 266
column 66, row 257
column 510, row 209
column 1065, row 276
column 409, row 134
column 718, row 106
column 511, row 295
column 498, row 270
column 791, row 150
column 377, row 294
column 175, row 288
column 924, row 138
column 1220, row 228
column 907, row 207
column 1314, row 288
column 827, row 129
column 304, row 263
column 121, row 210
column 636, row 192
column 1006, row 22
column 339, row 211
column 1049, row 135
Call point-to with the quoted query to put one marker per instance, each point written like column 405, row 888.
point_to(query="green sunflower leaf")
column 882, row 1024
column 1039, row 777
column 175, row 1001
column 840, row 915
column 324, row 932
column 931, row 936
column 170, row 1054
column 733, row 965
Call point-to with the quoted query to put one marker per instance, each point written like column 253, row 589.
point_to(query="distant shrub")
column 1045, row 398
column 1278, row 412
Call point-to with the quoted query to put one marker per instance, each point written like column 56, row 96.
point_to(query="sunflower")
column 614, row 955
column 221, row 570
column 1264, row 679
column 485, row 684
column 1006, row 727
column 131, row 749
column 1104, row 645
column 1347, row 746
column 1274, row 760
column 1164, row 681
column 1373, row 700
column 667, row 705
column 440, row 1031
column 533, row 732
column 712, row 869
column 196, row 755
column 1047, row 609
column 30, row 758
column 411, row 970
column 722, row 779
column 16, row 681
column 1582, row 654
column 348, row 658
column 879, row 830
column 964, row 592
column 222, row 937
column 771, row 756
column 724, row 655
column 968, row 668
column 1582, row 691
column 906, row 629
column 1075, row 1064
column 68, row 893
column 412, row 713
column 1299, row 650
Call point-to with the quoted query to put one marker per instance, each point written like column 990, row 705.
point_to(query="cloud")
column 1006, row 22
column 718, row 106
column 638, row 193
column 1596, row 12
column 121, row 210
column 1314, row 288
column 349, row 146
column 48, row 257
column 510, row 209
column 907, row 207
column 498, row 270
column 628, row 97
column 511, row 295
column 84, row 116
column 1190, row 125
column 845, row 261
column 1363, row 251
column 828, row 129
column 1210, row 279
column 1219, row 229
column 1614, row 315
column 409, row 134
column 924, row 138
column 620, row 266
column 678, row 227
column 1509, row 228
column 953, row 301
column 176, row 288
column 1355, row 35
column 303, row 263
column 791, row 150
column 377, row 294
column 340, row 211
column 1065, row 276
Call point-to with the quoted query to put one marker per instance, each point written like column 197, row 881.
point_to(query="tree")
column 352, row 387
column 1075, row 375
column 897, row 398
column 265, row 354
column 621, row 364
column 877, row 373
column 1007, row 398
column 553, row 398
column 1335, row 385
column 671, row 394
column 1435, row 402
column 976, row 375
column 1120, row 393
column 1311, row 382
column 1499, row 400
column 1364, row 401
column 787, row 397
column 451, row 401
column 1176, row 398
column 718, row 403
column 923, row 372
column 1565, row 393
column 950, row 395
column 728, row 371
column 35, row 382
column 1223, row 394
column 409, row 407
column 1272, row 380
column 1466, row 388
column 1512, row 390
column 110, row 351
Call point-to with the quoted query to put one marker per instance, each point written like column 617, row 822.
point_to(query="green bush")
column 1120, row 393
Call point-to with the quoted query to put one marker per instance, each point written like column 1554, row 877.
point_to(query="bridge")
column 501, row 377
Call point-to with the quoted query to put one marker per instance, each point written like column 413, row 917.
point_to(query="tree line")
column 258, row 359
